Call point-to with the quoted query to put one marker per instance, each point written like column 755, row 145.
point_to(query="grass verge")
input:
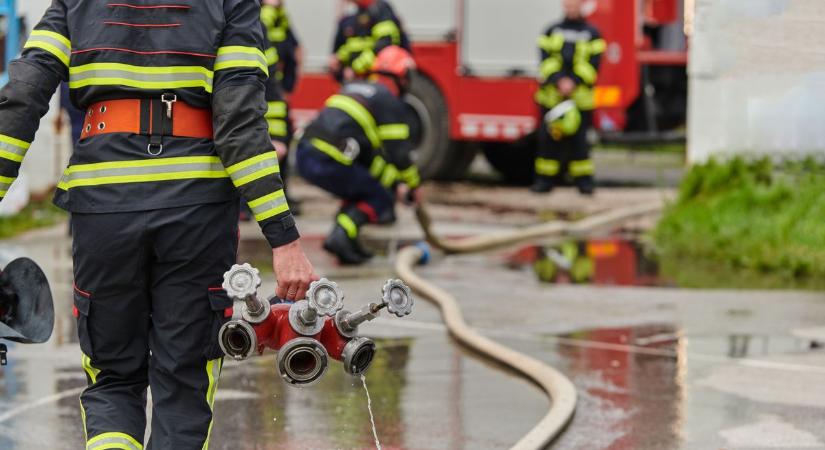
column 744, row 224
column 36, row 215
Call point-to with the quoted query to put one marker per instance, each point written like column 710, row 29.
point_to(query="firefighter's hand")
column 566, row 86
column 293, row 271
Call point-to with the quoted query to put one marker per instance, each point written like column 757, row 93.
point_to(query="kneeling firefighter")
column 175, row 127
column 358, row 149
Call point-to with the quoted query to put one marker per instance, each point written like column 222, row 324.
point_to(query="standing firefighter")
column 284, row 59
column 362, row 35
column 358, row 149
column 570, row 54
column 174, row 101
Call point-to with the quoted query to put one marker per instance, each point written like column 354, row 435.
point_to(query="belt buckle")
column 169, row 100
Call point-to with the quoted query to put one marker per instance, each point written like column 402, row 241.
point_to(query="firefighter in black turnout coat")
column 173, row 94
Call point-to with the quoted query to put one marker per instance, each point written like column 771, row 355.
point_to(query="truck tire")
column 515, row 160
column 436, row 155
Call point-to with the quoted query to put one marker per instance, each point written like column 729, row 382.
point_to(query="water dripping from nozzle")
column 369, row 407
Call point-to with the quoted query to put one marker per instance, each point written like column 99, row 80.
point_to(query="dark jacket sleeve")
column 392, row 119
column 241, row 136
column 33, row 79
column 551, row 45
column 586, row 66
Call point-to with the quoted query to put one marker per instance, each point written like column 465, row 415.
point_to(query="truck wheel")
column 514, row 161
column 436, row 156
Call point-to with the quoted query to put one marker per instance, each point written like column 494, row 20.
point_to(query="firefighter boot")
column 343, row 247
column 359, row 217
column 542, row 185
column 586, row 185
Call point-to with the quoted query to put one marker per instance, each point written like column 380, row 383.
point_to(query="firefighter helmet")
column 563, row 120
column 394, row 61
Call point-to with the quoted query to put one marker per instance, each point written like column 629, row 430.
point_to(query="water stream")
column 369, row 407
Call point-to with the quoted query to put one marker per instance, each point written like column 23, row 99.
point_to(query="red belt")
column 156, row 118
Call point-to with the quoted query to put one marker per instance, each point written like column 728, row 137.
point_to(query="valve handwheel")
column 398, row 298
column 241, row 281
column 325, row 297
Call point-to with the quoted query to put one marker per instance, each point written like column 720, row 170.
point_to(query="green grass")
column 747, row 224
column 35, row 215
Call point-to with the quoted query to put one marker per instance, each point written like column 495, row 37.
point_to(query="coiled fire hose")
column 559, row 388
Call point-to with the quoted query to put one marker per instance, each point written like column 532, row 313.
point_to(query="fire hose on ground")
column 559, row 389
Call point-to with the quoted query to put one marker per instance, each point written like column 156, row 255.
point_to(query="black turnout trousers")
column 149, row 306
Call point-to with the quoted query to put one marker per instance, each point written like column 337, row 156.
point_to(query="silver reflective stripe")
column 109, row 442
column 254, row 168
column 78, row 77
column 57, row 43
column 136, row 171
column 237, row 56
column 274, row 204
column 12, row 148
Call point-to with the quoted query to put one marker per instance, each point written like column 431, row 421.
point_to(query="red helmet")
column 394, row 61
column 364, row 3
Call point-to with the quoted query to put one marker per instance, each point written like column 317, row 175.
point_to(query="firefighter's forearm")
column 243, row 144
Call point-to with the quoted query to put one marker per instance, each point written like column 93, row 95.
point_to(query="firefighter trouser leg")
column 580, row 166
column 150, row 281
column 351, row 183
column 550, row 155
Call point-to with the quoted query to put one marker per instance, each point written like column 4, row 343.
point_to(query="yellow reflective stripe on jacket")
column 598, row 46
column 112, row 441
column 235, row 56
column 377, row 166
column 354, row 45
column 213, row 373
column 276, row 110
column 583, row 96
column 254, row 168
column 269, row 205
column 5, row 184
column 582, row 168
column 277, row 127
column 364, row 62
column 390, row 176
column 552, row 43
column 394, row 132
column 142, row 171
column 13, row 149
column 331, row 151
column 548, row 96
column 272, row 56
column 411, row 177
column 387, row 28
column 55, row 43
column 585, row 71
column 550, row 66
column 348, row 225
column 547, row 167
column 360, row 114
column 140, row 77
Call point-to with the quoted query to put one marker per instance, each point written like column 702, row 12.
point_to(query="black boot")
column 586, row 185
column 358, row 218
column 342, row 246
column 542, row 185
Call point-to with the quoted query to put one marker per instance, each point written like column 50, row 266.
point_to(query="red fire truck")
column 477, row 66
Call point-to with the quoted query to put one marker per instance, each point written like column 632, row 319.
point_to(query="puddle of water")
column 369, row 408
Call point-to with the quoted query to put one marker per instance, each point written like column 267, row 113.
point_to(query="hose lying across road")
column 559, row 388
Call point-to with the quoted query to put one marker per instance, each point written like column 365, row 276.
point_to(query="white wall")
column 757, row 78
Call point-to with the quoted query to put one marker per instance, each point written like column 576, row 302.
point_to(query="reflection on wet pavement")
column 649, row 384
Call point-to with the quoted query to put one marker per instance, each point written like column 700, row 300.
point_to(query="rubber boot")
column 359, row 218
column 345, row 249
column 586, row 185
column 542, row 185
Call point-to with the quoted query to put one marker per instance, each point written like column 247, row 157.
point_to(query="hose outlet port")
column 237, row 339
column 357, row 355
column 302, row 362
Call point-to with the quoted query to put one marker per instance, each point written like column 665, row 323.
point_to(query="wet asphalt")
column 656, row 368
